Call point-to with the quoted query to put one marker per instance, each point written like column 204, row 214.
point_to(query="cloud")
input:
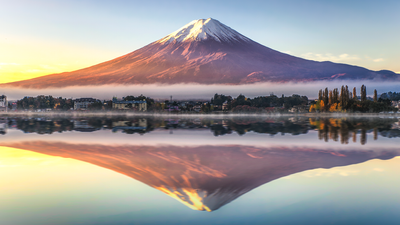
column 330, row 57
column 378, row 60
column 338, row 58
column 330, row 172
column 8, row 64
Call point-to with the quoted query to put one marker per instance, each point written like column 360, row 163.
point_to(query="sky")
column 42, row 37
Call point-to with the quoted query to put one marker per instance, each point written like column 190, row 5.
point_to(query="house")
column 83, row 103
column 293, row 110
column 140, row 105
column 197, row 108
column 3, row 103
column 225, row 106
column 396, row 104
column 299, row 109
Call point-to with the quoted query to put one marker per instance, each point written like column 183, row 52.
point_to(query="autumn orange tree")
column 333, row 101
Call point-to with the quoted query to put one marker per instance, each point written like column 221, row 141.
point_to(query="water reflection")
column 206, row 163
column 3, row 125
column 344, row 130
column 347, row 129
column 205, row 177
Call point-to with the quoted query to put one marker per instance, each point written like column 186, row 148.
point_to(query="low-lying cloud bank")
column 197, row 91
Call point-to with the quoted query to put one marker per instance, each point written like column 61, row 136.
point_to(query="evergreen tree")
column 355, row 94
column 320, row 95
column 375, row 96
column 335, row 95
column 363, row 93
column 326, row 99
column 342, row 95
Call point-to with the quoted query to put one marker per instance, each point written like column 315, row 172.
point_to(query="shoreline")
column 211, row 115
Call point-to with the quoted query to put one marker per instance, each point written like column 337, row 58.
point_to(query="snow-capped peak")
column 204, row 29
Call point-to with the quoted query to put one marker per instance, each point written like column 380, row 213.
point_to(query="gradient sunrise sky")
column 42, row 37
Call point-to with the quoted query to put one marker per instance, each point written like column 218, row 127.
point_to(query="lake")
column 199, row 170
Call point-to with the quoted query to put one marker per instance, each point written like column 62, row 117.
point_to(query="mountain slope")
column 205, row 52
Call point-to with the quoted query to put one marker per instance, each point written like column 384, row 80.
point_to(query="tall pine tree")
column 363, row 93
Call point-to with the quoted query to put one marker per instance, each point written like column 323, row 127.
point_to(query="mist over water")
column 197, row 91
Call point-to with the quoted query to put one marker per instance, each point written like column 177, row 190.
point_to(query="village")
column 328, row 101
column 141, row 103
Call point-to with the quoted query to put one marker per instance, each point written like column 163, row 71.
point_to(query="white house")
column 137, row 105
column 83, row 103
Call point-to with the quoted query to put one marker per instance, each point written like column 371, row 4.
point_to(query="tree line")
column 347, row 101
column 242, row 103
column 45, row 102
column 392, row 96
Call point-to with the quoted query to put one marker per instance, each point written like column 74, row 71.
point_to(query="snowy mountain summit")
column 204, row 29
column 205, row 51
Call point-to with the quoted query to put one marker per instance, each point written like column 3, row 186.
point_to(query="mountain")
column 205, row 51
column 204, row 177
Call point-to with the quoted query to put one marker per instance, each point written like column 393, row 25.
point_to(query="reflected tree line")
column 343, row 129
column 143, row 125
column 348, row 129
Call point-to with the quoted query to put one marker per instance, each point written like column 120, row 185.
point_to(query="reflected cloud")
column 331, row 172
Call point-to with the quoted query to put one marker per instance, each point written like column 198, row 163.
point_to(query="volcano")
column 205, row 51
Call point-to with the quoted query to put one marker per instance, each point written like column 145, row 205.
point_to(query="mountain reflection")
column 343, row 129
column 205, row 177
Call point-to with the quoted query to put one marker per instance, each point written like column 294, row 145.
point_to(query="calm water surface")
column 160, row 170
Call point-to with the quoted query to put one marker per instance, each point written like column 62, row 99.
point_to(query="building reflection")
column 343, row 130
column 3, row 125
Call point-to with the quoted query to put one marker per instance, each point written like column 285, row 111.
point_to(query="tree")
column 375, row 96
column 342, row 95
column 205, row 108
column 320, row 95
column 355, row 94
column 335, row 95
column 241, row 100
column 363, row 93
column 392, row 96
column 321, row 104
column 326, row 98
column 219, row 99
